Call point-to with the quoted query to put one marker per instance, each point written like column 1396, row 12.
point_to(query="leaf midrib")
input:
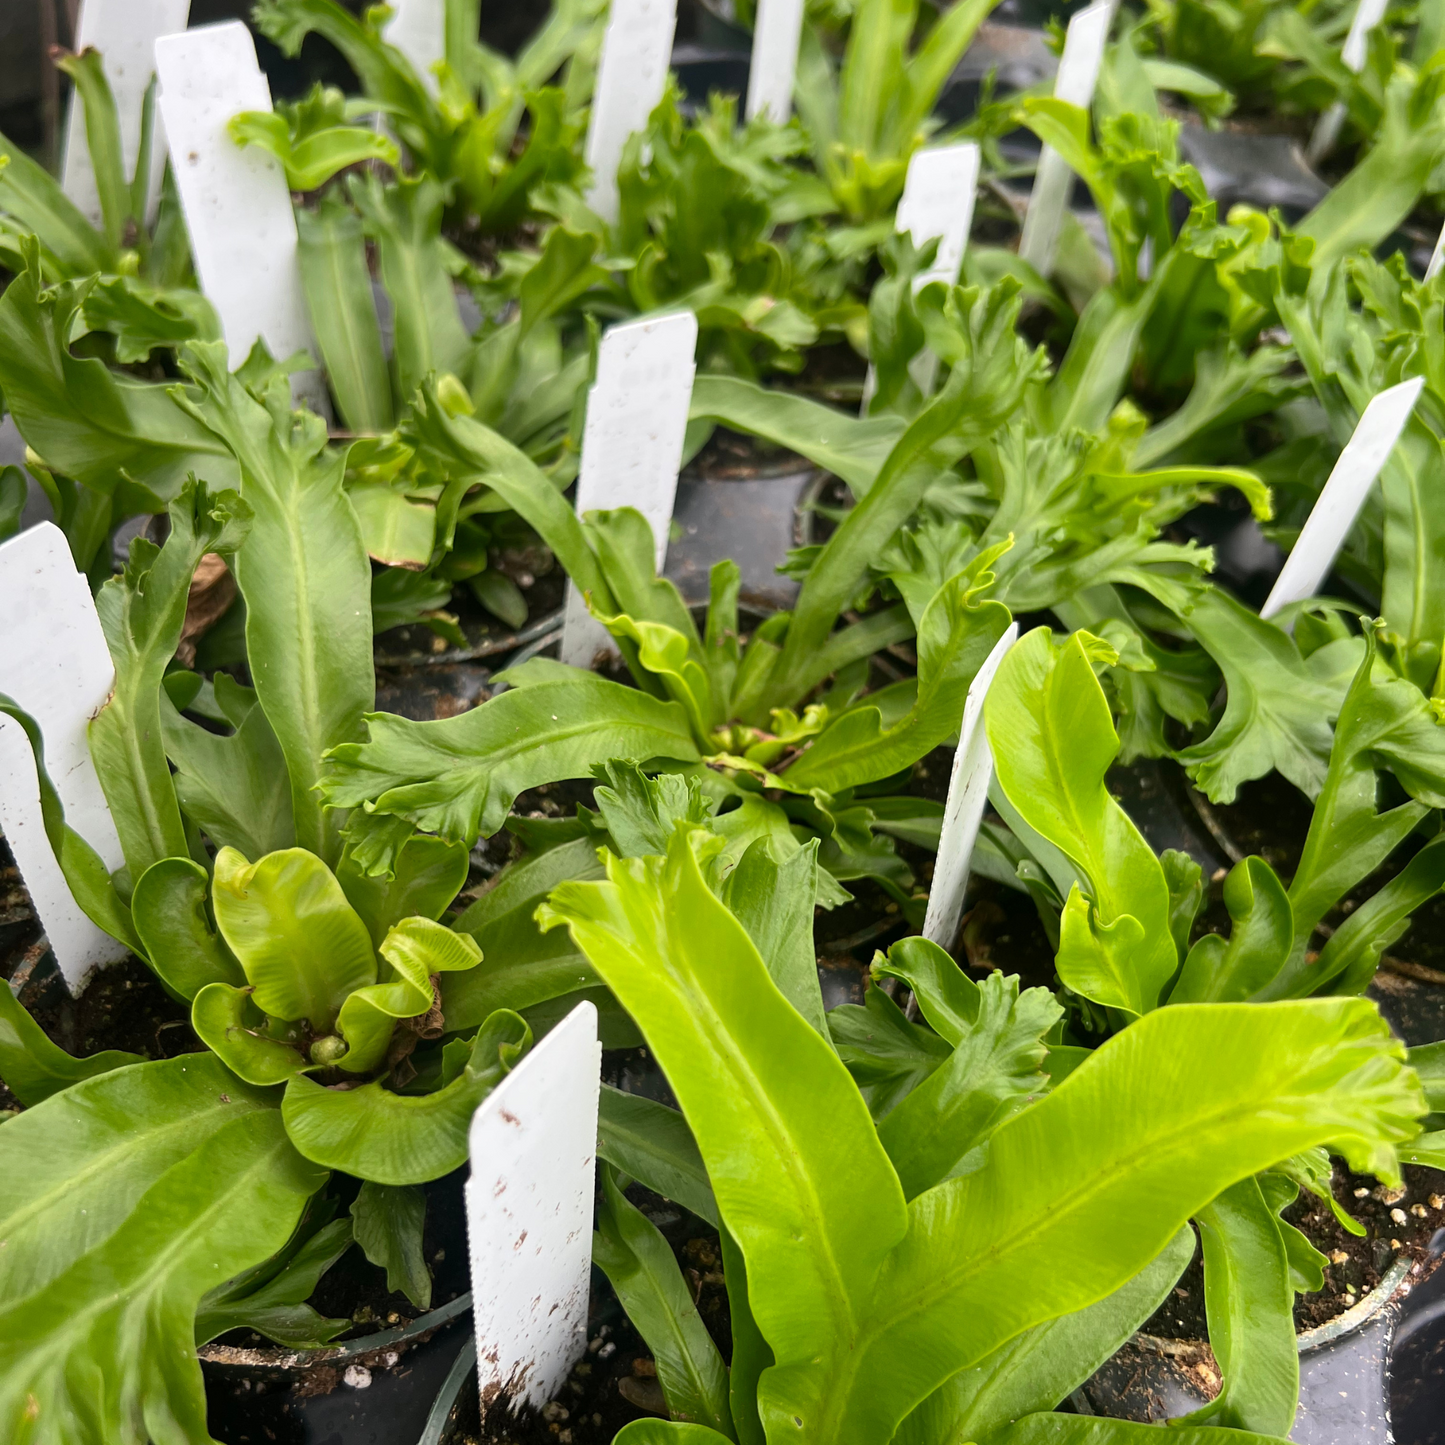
column 506, row 752
column 1188, row 1134
column 100, row 1163
column 158, row 1266
column 785, row 1149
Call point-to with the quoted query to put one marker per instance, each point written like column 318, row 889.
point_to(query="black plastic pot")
column 1344, row 1385
column 1416, row 1375
column 752, row 517
column 1259, row 170
column 702, row 69
column 378, row 1390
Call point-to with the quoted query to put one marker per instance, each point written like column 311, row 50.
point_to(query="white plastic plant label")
column 777, row 26
column 937, row 203
column 632, row 444
column 1332, row 516
column 1368, row 14
column 55, row 665
column 418, row 29
column 236, row 204
column 1436, row 256
column 963, row 812
column 529, row 1215
column 1078, row 72
column 631, row 76
column 125, row 33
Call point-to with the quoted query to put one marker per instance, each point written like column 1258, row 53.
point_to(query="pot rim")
column 1362, row 1311
column 450, row 1393
column 278, row 1358
column 1358, row 1315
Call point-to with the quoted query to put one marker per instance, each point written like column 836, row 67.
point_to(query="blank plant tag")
column 418, row 29
column 631, row 76
column 963, row 813
column 529, row 1215
column 236, row 204
column 125, row 33
column 776, row 29
column 938, row 197
column 937, row 201
column 1078, row 71
column 1333, row 515
column 55, row 665
column 937, row 204
column 1436, row 256
column 632, row 444
column 1368, row 14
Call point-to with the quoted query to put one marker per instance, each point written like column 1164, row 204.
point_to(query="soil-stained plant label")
column 529, row 1215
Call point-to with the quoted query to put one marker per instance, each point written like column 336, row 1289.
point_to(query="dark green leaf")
column 751, row 1352
column 640, row 1266
column 1278, row 705
column 640, row 812
column 1250, row 1302
column 405, row 221
column 887, row 1055
column 428, row 875
column 102, row 138
column 13, row 492
column 270, row 1299
column 955, row 634
column 850, row 447
column 232, row 788
column 142, row 612
column 337, row 283
column 652, row 1144
column 993, row 1072
column 70, row 245
column 87, row 422
column 388, row 1221
column 85, row 871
